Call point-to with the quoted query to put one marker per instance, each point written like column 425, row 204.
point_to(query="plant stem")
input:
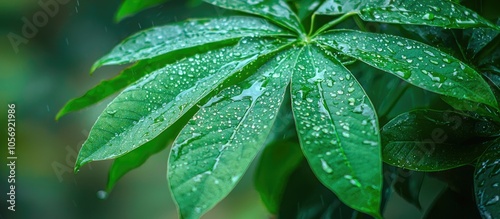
column 333, row 23
column 312, row 24
column 359, row 23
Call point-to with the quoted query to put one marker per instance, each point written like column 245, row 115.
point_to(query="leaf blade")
column 222, row 139
column 331, row 108
column 277, row 162
column 440, row 13
column 162, row 40
column 156, row 101
column 439, row 73
column 131, row 7
column 486, row 182
column 275, row 10
column 429, row 140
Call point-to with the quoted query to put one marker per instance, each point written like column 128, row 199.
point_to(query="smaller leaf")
column 428, row 140
column 442, row 13
column 161, row 40
column 487, row 182
column 131, row 7
column 473, row 107
column 277, row 11
column 276, row 164
column 480, row 38
column 417, row 63
column 106, row 88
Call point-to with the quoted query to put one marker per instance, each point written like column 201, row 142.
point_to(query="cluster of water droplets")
column 417, row 63
column 160, row 40
column 487, row 182
column 334, row 120
column 220, row 141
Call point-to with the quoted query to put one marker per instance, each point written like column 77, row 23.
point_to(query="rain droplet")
column 326, row 167
column 101, row 194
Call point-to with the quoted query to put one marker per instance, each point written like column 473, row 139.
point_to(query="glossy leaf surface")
column 277, row 11
column 440, row 13
column 487, row 182
column 161, row 40
column 149, row 106
column 338, row 130
column 417, row 63
column 218, row 144
column 427, row 140
column 131, row 7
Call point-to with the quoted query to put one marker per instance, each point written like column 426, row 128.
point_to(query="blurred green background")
column 51, row 69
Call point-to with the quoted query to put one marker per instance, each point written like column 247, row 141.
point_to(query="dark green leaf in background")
column 338, row 130
column 428, row 140
column 131, row 7
column 276, row 164
column 487, row 182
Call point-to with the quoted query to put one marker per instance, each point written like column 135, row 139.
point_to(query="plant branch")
column 359, row 23
column 333, row 23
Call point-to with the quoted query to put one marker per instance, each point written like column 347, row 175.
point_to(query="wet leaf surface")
column 277, row 11
column 428, row 140
column 418, row 64
column 440, row 13
column 487, row 182
column 164, row 39
column 218, row 144
column 338, row 130
column 153, row 103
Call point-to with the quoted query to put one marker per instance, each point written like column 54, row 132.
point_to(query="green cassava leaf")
column 442, row 13
column 417, row 63
column 124, row 164
column 218, row 144
column 109, row 87
column 134, row 159
column 161, row 40
column 131, row 7
column 276, row 164
column 153, row 103
column 487, row 182
column 428, row 140
column 338, row 130
column 277, row 11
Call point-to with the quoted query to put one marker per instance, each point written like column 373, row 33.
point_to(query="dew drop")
column 326, row 167
column 101, row 194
